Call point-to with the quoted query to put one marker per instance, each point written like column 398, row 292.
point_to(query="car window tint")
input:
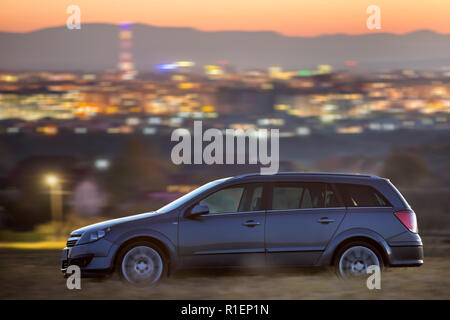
column 303, row 196
column 242, row 198
column 286, row 197
column 224, row 201
column 331, row 199
column 256, row 198
column 362, row 196
column 252, row 198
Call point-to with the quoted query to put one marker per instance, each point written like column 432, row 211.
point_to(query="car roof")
column 308, row 174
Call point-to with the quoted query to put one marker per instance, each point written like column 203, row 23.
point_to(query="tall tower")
column 126, row 65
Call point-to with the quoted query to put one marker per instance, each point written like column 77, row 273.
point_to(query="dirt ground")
column 34, row 274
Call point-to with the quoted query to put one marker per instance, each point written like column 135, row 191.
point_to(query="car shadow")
column 242, row 271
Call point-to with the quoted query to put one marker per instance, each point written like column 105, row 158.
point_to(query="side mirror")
column 197, row 210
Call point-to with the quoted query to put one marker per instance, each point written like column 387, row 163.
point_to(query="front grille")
column 71, row 242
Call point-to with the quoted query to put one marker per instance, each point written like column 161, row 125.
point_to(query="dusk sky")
column 289, row 17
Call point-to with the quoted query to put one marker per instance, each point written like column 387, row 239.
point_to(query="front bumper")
column 95, row 258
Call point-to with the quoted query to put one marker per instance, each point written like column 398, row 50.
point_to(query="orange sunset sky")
column 289, row 17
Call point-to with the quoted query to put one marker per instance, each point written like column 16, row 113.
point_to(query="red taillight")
column 408, row 218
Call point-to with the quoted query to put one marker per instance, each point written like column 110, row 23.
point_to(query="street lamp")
column 51, row 180
column 55, row 198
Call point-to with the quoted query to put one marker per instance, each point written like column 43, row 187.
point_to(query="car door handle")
column 251, row 223
column 325, row 220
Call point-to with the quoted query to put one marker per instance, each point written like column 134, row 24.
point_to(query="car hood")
column 113, row 222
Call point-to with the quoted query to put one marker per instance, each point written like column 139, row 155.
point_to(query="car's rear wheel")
column 142, row 263
column 355, row 258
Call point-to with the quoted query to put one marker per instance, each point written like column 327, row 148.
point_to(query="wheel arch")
column 361, row 239
column 364, row 235
column 166, row 248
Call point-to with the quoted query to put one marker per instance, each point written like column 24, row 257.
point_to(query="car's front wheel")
column 354, row 259
column 141, row 263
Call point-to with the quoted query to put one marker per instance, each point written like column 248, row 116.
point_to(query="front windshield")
column 188, row 196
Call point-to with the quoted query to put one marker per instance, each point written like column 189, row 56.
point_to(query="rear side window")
column 357, row 195
column 288, row 195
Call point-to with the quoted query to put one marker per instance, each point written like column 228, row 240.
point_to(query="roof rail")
column 356, row 175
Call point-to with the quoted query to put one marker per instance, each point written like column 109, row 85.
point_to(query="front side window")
column 241, row 198
column 355, row 195
column 187, row 197
column 289, row 195
column 251, row 200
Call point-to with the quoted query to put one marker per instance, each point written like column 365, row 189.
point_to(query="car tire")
column 142, row 263
column 353, row 259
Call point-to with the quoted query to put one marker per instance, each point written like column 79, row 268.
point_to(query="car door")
column 303, row 217
column 231, row 234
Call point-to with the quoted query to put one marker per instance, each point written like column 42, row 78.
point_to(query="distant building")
column 247, row 101
column 126, row 65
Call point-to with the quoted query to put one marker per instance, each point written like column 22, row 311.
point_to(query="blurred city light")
column 102, row 164
column 51, row 180
column 185, row 63
column 164, row 67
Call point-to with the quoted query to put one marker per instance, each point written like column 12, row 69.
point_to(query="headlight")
column 95, row 235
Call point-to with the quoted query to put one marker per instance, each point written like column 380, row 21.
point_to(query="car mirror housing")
column 197, row 210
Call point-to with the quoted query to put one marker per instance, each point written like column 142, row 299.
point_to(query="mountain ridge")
column 96, row 47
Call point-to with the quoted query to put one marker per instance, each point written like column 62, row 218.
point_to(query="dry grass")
column 34, row 274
